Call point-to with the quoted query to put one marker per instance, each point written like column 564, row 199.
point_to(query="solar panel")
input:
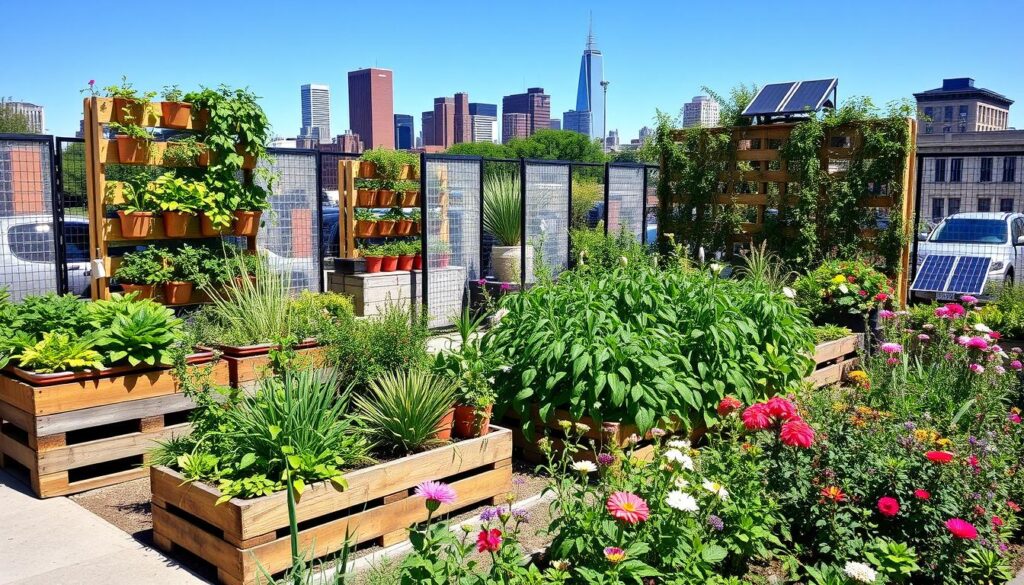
column 768, row 99
column 934, row 273
column 969, row 275
column 809, row 96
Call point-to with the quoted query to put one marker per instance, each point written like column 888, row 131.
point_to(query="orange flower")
column 832, row 494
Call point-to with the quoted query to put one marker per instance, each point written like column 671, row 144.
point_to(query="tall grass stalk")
column 252, row 305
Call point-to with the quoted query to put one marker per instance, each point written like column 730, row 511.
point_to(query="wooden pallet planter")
column 833, row 359
column 246, row 369
column 240, row 536
column 88, row 433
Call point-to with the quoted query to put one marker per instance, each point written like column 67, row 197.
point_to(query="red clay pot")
column 175, row 114
column 405, row 263
column 469, row 423
column 177, row 293
column 127, row 111
column 410, row 198
column 443, row 260
column 247, row 223
column 389, row 264
column 135, row 225
column 373, row 264
column 386, row 198
column 417, row 262
column 206, row 227
column 367, row 169
column 366, row 198
column 176, row 223
column 145, row 290
column 132, row 150
column 403, row 227
column 444, row 426
column 366, row 229
column 385, row 227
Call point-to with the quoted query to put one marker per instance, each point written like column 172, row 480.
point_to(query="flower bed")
column 239, row 536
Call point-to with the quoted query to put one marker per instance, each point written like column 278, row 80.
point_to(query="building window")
column 986, row 169
column 940, row 170
column 937, row 204
column 1006, row 205
column 956, row 167
column 947, row 114
column 954, row 205
column 984, row 204
column 947, row 129
column 929, row 114
column 1009, row 169
column 928, row 129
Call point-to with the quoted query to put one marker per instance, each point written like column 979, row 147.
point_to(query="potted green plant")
column 134, row 143
column 216, row 211
column 184, row 271
column 386, row 224
column 249, row 210
column 386, row 197
column 366, row 223
column 502, row 216
column 367, row 169
column 417, row 259
column 141, row 271
column 374, row 255
column 179, row 200
column 403, row 225
column 389, row 262
column 410, row 194
column 366, row 192
column 471, row 370
column 175, row 113
column 442, row 251
column 406, row 254
column 129, row 104
column 136, row 212
column 186, row 152
column 414, row 217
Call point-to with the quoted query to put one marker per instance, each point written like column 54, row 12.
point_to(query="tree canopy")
column 11, row 121
column 545, row 144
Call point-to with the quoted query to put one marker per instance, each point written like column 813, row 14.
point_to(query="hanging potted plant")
column 403, row 225
column 410, row 195
column 471, row 370
column 129, row 105
column 249, row 210
column 386, row 224
column 374, row 256
column 389, row 262
column 174, row 113
column 366, row 223
column 178, row 199
column 442, row 251
column 134, row 143
column 414, row 218
column 502, row 216
column 136, row 211
column 366, row 193
column 406, row 254
column 141, row 271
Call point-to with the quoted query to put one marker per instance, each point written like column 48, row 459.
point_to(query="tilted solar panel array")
column 953, row 274
column 792, row 97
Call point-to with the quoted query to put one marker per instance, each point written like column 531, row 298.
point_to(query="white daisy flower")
column 790, row 293
column 681, row 501
column 681, row 444
column 677, row 456
column 584, row 467
column 681, row 483
column 717, row 489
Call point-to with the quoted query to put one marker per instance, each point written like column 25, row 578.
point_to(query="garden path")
column 55, row 541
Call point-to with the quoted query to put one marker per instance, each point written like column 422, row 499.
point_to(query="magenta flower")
column 614, row 554
column 923, row 337
column 969, row 299
column 1014, row 418
column 92, row 82
column 436, row 493
column 886, row 314
column 892, row 361
column 976, row 343
column 942, row 312
column 482, row 282
column 1015, row 364
column 891, row 348
column 977, row 368
column 505, row 287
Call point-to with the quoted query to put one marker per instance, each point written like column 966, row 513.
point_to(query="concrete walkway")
column 58, row 542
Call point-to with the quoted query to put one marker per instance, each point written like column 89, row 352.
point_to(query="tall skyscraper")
column 450, row 120
column 556, row 124
column 316, row 113
column 484, row 120
column 444, row 122
column 702, row 111
column 525, row 113
column 646, row 133
column 463, row 125
column 404, row 132
column 371, row 106
column 427, row 127
column 588, row 117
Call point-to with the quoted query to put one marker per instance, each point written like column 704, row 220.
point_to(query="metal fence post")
column 60, row 255
column 424, row 222
column 480, row 221
column 643, row 210
column 522, row 224
column 570, row 261
column 607, row 197
column 321, row 267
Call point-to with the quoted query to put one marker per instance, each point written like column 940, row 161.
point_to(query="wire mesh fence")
column 546, row 214
column 626, row 200
column 290, row 235
column 969, row 224
column 72, row 196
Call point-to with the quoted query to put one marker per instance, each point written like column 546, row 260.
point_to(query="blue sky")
column 657, row 54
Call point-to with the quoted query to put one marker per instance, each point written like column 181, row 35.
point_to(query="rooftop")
column 962, row 88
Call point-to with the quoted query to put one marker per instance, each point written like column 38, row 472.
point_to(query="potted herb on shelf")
column 367, row 169
column 408, row 172
column 366, row 223
column 417, row 259
column 175, row 113
column 374, row 256
column 389, row 262
column 249, row 210
column 366, row 193
column 406, row 254
column 178, row 199
column 403, row 225
column 184, row 271
column 134, row 143
column 136, row 213
column 186, row 152
column 386, row 224
column 223, row 191
column 386, row 197
column 129, row 104
column 410, row 194
column 470, row 369
column 141, row 271
column 414, row 217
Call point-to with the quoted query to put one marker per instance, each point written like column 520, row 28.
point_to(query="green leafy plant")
column 60, row 352
column 502, row 208
column 394, row 214
column 183, row 152
column 252, row 305
column 142, row 267
column 137, row 198
column 363, row 214
column 253, row 198
column 142, row 334
column 469, row 367
column 838, row 289
column 389, row 165
column 173, row 193
column 401, row 411
column 132, row 131
column 50, row 312
column 895, row 560
column 172, row 93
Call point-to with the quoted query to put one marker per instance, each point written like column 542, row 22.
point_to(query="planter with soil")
column 373, row 264
column 175, row 114
column 247, row 363
column 366, row 198
column 471, row 422
column 386, row 198
column 247, row 223
column 208, row 230
column 241, row 537
column 145, row 291
column 389, row 264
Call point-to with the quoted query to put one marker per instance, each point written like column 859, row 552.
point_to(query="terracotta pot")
column 247, row 223
column 128, row 111
column 405, row 263
column 367, row 169
column 410, row 199
column 373, row 264
column 386, row 198
column 248, row 161
column 176, row 223
column 177, row 293
column 239, row 281
column 175, row 114
column 202, row 119
column 385, row 227
column 207, row 230
column 403, row 227
column 416, row 226
column 366, row 198
column 407, row 173
column 417, row 262
column 203, row 160
column 132, row 150
column 365, row 229
column 444, row 426
column 469, row 423
column 443, row 260
column 389, row 264
column 145, row 290
column 135, row 225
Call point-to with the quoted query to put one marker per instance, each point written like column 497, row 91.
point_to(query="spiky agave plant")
column 401, row 410
column 502, row 211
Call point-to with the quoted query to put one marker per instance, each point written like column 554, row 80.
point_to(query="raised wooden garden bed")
column 833, row 359
column 87, row 432
column 240, row 536
column 249, row 363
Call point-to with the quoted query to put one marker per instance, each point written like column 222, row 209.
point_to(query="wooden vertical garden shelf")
column 348, row 172
column 833, row 359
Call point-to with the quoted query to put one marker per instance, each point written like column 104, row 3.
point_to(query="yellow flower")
column 838, row 278
column 943, row 442
column 839, row 407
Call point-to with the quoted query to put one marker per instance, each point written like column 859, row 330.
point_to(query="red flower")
column 922, row 494
column 881, row 297
column 756, row 417
column 851, row 279
column 728, row 405
column 979, row 511
column 833, row 494
column 488, row 540
column 939, row 456
column 997, row 521
column 972, row 461
column 1012, row 505
column 888, row 506
column 954, row 310
column 962, row 529
column 862, row 292
column 797, row 433
column 781, row 408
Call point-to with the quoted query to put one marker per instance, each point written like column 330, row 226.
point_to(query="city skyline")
column 647, row 68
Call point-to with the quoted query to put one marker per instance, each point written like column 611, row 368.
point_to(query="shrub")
column 502, row 208
column 598, row 252
column 839, row 289
column 143, row 267
column 394, row 340
column 585, row 195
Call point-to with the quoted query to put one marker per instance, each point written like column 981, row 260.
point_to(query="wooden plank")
column 831, row 374
column 242, row 370
column 103, row 450
column 18, row 418
column 194, row 539
column 58, row 488
column 152, row 117
column 196, row 498
column 831, row 350
column 111, row 413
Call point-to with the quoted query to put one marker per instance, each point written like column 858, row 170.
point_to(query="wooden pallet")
column 833, row 359
column 244, row 370
column 76, row 436
column 242, row 538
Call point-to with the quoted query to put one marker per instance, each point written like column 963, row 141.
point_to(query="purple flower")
column 435, row 493
column 605, row 459
column 489, row 514
column 505, row 287
column 969, row 299
column 909, row 425
column 1015, row 364
column 716, row 523
column 518, row 480
column 923, row 337
column 891, row 348
column 886, row 314
column 521, row 514
column 482, row 282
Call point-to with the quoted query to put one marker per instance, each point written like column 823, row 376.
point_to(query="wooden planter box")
column 833, row 359
column 87, row 433
column 240, row 536
column 253, row 364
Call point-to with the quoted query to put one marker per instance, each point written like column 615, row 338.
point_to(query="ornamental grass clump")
column 401, row 411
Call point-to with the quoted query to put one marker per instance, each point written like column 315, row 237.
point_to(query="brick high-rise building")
column 444, row 122
column 959, row 107
column 449, row 123
column 523, row 114
column 371, row 106
column 463, row 124
column 427, row 127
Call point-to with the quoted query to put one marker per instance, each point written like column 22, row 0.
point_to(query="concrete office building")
column 525, row 113
column 958, row 107
column 371, row 106
column 316, row 112
column 35, row 115
column 483, row 118
column 700, row 111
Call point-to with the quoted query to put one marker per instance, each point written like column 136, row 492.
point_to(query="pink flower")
column 1015, row 364
column 948, row 356
column 962, row 529
column 628, row 507
column 977, row 368
column 727, row 405
column 756, row 417
column 797, row 433
column 954, row 310
column 995, row 335
column 505, row 287
column 1014, row 418
column 488, row 540
column 997, row 521
column 862, row 292
column 891, row 348
column 888, row 506
column 1000, row 370
column 969, row 299
column 92, row 82
column 614, row 554
column 781, row 408
column 923, row 337
column 886, row 314
column 881, row 297
column 972, row 461
column 482, row 282
column 922, row 494
column 892, row 361
column 435, row 493
column 976, row 343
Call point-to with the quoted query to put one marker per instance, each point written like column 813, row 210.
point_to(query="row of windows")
column 946, row 115
column 956, row 168
column 939, row 204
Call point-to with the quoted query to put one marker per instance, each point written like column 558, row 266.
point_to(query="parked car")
column 28, row 258
column 999, row 236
